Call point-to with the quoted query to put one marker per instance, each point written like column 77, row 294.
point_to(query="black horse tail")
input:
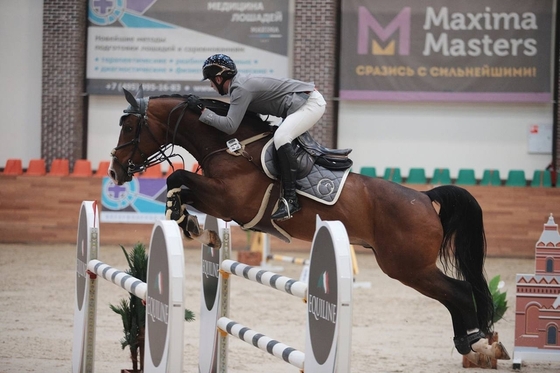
column 464, row 245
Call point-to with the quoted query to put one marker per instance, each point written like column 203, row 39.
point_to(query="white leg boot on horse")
column 187, row 222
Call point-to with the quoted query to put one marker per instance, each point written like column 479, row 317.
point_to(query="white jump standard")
column 163, row 293
column 328, row 298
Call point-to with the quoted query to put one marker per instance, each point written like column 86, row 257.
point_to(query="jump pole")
column 163, row 293
column 329, row 305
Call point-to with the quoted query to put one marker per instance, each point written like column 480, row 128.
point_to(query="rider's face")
column 216, row 80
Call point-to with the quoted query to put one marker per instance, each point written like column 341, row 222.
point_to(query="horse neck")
column 198, row 138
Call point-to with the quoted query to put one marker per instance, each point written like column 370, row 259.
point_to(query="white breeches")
column 302, row 120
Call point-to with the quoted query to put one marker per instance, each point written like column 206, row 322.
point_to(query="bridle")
column 140, row 111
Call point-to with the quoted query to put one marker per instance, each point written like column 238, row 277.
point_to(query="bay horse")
column 407, row 230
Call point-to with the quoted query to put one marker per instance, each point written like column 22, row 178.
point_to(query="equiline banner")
column 162, row 44
column 442, row 50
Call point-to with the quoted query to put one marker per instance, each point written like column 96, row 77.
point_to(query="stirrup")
column 283, row 212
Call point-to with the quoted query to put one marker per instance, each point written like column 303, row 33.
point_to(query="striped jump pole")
column 119, row 278
column 280, row 350
column 267, row 278
column 328, row 310
column 163, row 293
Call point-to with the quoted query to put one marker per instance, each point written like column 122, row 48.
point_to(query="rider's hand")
column 194, row 104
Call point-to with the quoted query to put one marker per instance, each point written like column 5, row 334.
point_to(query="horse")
column 408, row 231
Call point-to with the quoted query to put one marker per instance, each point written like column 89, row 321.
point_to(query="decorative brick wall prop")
column 63, row 128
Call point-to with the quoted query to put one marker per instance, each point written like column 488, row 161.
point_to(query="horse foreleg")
column 188, row 223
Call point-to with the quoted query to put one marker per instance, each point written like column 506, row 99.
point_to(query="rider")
column 298, row 103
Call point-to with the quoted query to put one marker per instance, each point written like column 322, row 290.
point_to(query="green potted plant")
column 500, row 307
column 133, row 310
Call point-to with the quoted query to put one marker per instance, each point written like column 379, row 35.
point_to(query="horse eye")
column 127, row 128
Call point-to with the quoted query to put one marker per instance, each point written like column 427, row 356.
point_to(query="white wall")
column 21, row 35
column 404, row 135
column 451, row 135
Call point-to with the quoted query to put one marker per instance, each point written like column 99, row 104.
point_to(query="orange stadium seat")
column 37, row 167
column 102, row 169
column 13, row 167
column 82, row 168
column 59, row 167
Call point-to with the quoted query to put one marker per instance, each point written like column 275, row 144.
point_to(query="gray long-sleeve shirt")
column 260, row 94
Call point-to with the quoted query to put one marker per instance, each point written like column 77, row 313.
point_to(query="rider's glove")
column 194, row 104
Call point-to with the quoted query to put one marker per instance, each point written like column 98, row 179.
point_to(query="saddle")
column 308, row 152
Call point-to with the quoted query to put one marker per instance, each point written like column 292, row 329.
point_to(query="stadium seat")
column 368, row 171
column 37, row 167
column 393, row 174
column 13, row 167
column 516, row 178
column 416, row 176
column 466, row 177
column 82, row 168
column 441, row 176
column 102, row 169
column 59, row 167
column 541, row 178
column 491, row 177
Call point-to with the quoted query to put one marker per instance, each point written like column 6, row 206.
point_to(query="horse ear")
column 130, row 98
column 140, row 92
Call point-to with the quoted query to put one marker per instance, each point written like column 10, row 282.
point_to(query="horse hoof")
column 215, row 241
column 192, row 225
column 500, row 351
column 480, row 360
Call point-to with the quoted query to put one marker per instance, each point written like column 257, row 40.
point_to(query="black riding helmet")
column 219, row 65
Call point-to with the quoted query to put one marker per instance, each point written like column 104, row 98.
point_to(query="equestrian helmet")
column 219, row 65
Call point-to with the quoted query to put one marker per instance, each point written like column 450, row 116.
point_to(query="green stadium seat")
column 516, row 178
column 491, row 177
column 466, row 177
column 541, row 178
column 393, row 174
column 416, row 176
column 441, row 176
column 368, row 171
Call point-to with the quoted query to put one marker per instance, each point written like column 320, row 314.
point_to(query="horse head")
column 144, row 138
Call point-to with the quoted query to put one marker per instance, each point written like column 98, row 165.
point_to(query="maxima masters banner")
column 443, row 50
column 162, row 44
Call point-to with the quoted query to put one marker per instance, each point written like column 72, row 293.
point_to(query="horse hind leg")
column 456, row 296
column 187, row 222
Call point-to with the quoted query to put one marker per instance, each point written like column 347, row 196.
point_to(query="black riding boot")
column 288, row 205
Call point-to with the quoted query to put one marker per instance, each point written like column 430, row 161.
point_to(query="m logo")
column 367, row 22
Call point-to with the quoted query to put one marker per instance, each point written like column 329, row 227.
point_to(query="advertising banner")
column 162, row 44
column 442, row 50
column 142, row 200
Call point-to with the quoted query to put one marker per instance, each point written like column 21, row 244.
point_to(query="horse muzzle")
column 118, row 173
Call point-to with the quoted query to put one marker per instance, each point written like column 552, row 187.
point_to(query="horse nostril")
column 112, row 174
